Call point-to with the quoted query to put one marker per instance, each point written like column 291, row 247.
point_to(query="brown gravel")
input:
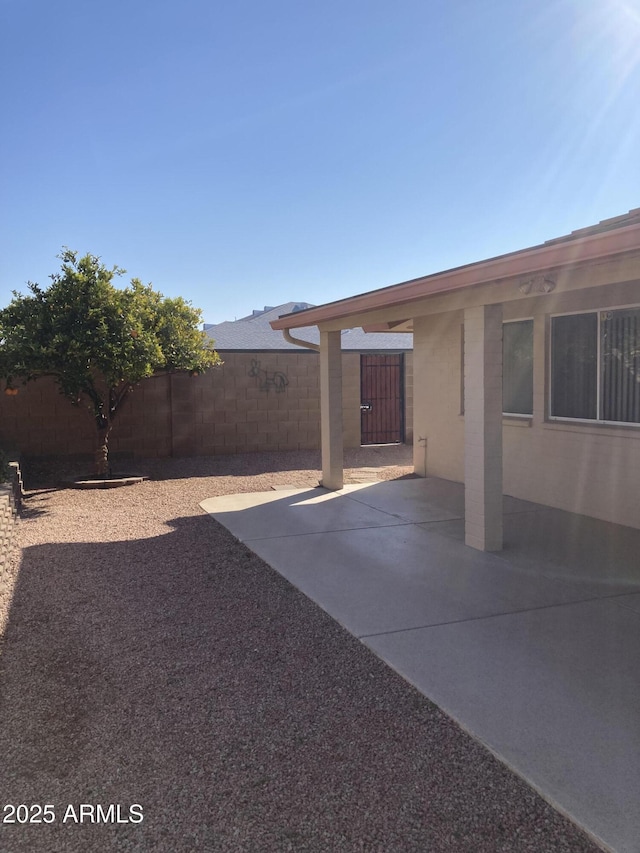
column 150, row 658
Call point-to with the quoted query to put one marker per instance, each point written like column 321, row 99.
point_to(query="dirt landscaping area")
column 152, row 663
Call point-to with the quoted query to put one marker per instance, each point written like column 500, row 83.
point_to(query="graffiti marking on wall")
column 268, row 379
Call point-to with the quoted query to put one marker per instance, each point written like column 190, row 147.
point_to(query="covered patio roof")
column 610, row 238
column 481, row 292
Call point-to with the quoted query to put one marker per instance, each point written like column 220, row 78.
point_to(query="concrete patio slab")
column 398, row 577
column 554, row 692
column 423, row 500
column 630, row 601
column 411, row 501
column 534, row 650
column 574, row 547
column 289, row 512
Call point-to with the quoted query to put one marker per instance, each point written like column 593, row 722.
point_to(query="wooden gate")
column 381, row 399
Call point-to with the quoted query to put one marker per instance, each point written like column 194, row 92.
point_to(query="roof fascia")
column 399, row 327
column 572, row 252
column 575, row 278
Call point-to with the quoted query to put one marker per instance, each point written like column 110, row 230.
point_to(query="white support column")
column 331, row 410
column 483, row 427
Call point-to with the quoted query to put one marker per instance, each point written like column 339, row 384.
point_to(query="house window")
column 517, row 368
column 620, row 365
column 574, row 362
column 595, row 366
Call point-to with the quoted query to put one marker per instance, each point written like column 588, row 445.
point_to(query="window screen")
column 517, row 368
column 620, row 357
column 574, row 366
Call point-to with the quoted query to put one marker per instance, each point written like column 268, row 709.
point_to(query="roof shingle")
column 253, row 333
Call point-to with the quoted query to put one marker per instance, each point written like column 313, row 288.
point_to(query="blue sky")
column 248, row 153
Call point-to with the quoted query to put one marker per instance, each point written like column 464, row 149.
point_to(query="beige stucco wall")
column 226, row 410
column 351, row 395
column 438, row 426
column 581, row 467
column 408, row 397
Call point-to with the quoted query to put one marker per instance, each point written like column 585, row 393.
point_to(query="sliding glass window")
column 595, row 366
column 517, row 367
column 620, row 358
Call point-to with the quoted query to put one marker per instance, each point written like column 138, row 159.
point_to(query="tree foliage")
column 96, row 340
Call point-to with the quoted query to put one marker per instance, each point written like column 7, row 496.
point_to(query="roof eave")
column 525, row 261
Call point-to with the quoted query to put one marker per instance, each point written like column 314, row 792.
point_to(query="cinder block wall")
column 40, row 421
column 267, row 401
column 254, row 401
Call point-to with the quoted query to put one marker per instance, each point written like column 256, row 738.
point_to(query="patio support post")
column 483, row 427
column 331, row 410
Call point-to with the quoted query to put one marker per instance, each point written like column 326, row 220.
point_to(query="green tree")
column 97, row 341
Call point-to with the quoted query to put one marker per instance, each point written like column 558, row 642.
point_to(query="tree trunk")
column 103, row 469
column 104, row 413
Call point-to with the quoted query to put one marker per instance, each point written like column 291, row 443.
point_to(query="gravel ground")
column 149, row 658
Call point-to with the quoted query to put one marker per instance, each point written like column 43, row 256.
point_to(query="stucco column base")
column 483, row 427
column 331, row 410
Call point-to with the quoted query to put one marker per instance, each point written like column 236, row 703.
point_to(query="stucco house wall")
column 438, row 425
column 590, row 468
column 585, row 467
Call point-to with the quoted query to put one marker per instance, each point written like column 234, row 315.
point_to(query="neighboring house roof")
column 610, row 238
column 254, row 333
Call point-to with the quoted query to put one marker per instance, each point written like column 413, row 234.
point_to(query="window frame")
column 589, row 421
column 506, row 414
